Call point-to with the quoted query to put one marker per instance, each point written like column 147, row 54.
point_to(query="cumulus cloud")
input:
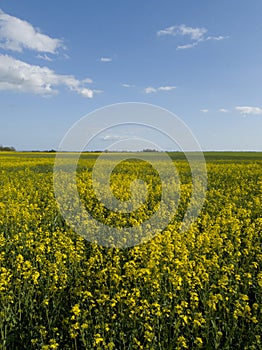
column 248, row 110
column 16, row 75
column 105, row 59
column 17, row 35
column 195, row 35
column 19, row 76
column 151, row 89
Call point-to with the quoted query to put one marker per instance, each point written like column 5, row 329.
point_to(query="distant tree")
column 7, row 149
column 149, row 150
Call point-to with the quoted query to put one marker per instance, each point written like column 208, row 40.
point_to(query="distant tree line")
column 149, row 150
column 7, row 149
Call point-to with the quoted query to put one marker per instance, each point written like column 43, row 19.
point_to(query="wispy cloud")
column 17, row 35
column 151, row 89
column 105, row 59
column 249, row 110
column 195, row 35
column 87, row 81
column 204, row 110
column 126, row 85
column 223, row 110
column 192, row 33
column 216, row 38
column 187, row 46
column 19, row 76
column 166, row 88
column 113, row 137
column 45, row 57
column 95, row 91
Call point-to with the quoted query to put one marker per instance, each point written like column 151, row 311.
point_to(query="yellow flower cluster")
column 195, row 290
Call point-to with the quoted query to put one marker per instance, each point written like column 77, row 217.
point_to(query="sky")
column 201, row 60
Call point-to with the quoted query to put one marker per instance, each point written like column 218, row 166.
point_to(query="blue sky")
column 202, row 60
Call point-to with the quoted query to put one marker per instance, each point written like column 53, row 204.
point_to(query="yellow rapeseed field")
column 200, row 289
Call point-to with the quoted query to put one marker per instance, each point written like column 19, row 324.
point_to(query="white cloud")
column 16, row 75
column 87, row 81
column 150, row 89
column 216, row 38
column 224, row 110
column 166, row 88
column 204, row 110
column 167, row 31
column 113, row 137
column 126, row 85
column 249, row 110
column 85, row 92
column 196, row 35
column 44, row 57
column 105, row 59
column 187, row 46
column 16, row 35
column 193, row 33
